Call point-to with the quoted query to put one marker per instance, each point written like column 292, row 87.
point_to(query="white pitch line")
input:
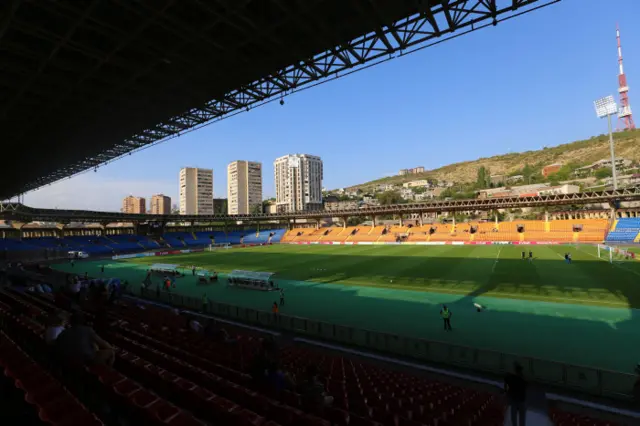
column 496, row 261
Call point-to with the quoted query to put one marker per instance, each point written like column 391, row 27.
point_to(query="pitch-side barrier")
column 595, row 381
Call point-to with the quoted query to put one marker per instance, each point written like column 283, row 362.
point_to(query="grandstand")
column 625, row 230
column 566, row 231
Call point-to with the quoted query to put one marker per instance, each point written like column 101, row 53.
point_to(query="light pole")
column 606, row 107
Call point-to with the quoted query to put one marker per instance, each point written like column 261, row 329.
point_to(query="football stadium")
column 446, row 312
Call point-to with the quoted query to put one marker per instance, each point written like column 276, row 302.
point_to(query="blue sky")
column 527, row 83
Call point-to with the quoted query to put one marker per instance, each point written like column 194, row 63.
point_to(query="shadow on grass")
column 567, row 333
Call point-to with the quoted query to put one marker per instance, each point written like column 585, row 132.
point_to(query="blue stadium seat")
column 626, row 230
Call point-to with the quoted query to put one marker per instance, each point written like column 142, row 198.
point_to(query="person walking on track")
column 445, row 313
column 205, row 303
column 282, row 297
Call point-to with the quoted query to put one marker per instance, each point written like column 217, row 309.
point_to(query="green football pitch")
column 585, row 313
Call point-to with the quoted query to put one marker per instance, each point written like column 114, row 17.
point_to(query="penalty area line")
column 612, row 264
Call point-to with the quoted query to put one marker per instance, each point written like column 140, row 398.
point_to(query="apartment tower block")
column 196, row 191
column 298, row 179
column 244, row 187
column 160, row 204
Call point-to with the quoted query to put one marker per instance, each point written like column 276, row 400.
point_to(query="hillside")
column 627, row 145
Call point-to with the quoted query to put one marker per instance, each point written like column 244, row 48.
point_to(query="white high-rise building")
column 196, row 191
column 244, row 187
column 298, row 179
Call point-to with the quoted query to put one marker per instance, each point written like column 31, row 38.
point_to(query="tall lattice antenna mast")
column 625, row 118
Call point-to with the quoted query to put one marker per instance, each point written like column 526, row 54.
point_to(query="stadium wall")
column 155, row 253
column 174, row 252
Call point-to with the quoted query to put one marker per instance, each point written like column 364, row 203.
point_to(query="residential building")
column 385, row 187
column 428, row 195
column 270, row 208
column 621, row 164
column 551, row 169
column 373, row 202
column 560, row 189
column 244, row 187
column 407, row 193
column 416, row 183
column 160, row 204
column 369, row 199
column 341, row 205
column 298, row 181
column 415, row 170
column 135, row 205
column 196, row 191
column 496, row 179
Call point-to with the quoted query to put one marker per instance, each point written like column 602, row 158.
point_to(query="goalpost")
column 213, row 247
column 614, row 254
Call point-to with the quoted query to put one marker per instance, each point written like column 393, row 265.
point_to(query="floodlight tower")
column 606, row 107
column 625, row 118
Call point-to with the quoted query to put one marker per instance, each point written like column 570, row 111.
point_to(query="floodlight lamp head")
column 605, row 106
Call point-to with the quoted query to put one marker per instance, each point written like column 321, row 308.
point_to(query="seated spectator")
column 194, row 325
column 55, row 326
column 217, row 333
column 74, row 287
column 61, row 300
column 312, row 391
column 263, row 361
column 265, row 369
column 80, row 345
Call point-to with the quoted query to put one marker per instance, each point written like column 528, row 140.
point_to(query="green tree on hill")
column 483, row 179
column 527, row 173
column 389, row 197
column 605, row 172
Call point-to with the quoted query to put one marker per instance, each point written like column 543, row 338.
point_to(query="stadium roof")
column 22, row 213
column 83, row 83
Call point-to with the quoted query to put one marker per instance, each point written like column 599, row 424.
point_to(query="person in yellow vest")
column 445, row 313
column 205, row 303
